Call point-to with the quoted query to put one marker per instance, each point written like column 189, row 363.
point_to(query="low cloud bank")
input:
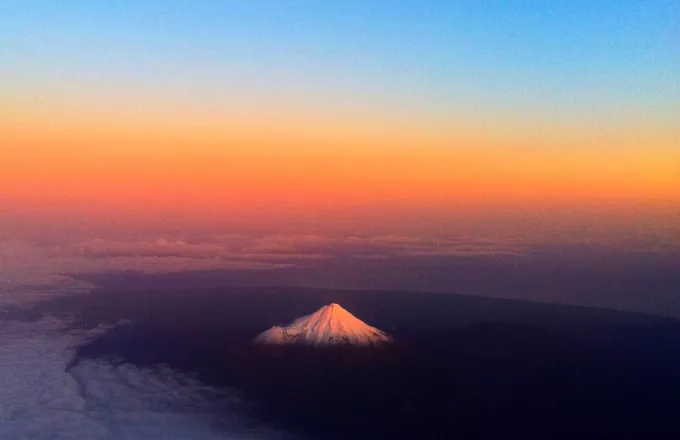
column 41, row 399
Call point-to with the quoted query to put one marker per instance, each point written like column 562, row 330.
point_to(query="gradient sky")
column 362, row 115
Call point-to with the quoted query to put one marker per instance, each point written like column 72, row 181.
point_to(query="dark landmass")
column 462, row 366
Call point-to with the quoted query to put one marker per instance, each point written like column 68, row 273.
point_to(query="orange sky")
column 160, row 167
column 207, row 112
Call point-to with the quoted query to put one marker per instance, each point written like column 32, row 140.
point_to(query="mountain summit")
column 330, row 325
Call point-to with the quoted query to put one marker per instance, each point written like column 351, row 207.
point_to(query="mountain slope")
column 330, row 325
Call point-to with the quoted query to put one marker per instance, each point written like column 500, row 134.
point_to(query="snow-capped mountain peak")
column 330, row 325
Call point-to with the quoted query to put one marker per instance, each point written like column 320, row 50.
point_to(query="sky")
column 155, row 123
column 196, row 106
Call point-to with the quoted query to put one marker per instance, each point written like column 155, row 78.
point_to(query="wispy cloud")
column 43, row 261
column 39, row 263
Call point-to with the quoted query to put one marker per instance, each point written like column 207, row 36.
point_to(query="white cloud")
column 95, row 400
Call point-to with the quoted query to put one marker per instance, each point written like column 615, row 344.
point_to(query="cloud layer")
column 35, row 265
column 95, row 400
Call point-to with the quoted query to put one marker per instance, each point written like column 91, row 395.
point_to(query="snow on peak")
column 330, row 325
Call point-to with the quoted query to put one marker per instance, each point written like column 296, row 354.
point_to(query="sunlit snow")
column 330, row 325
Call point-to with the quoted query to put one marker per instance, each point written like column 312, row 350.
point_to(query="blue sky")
column 548, row 56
